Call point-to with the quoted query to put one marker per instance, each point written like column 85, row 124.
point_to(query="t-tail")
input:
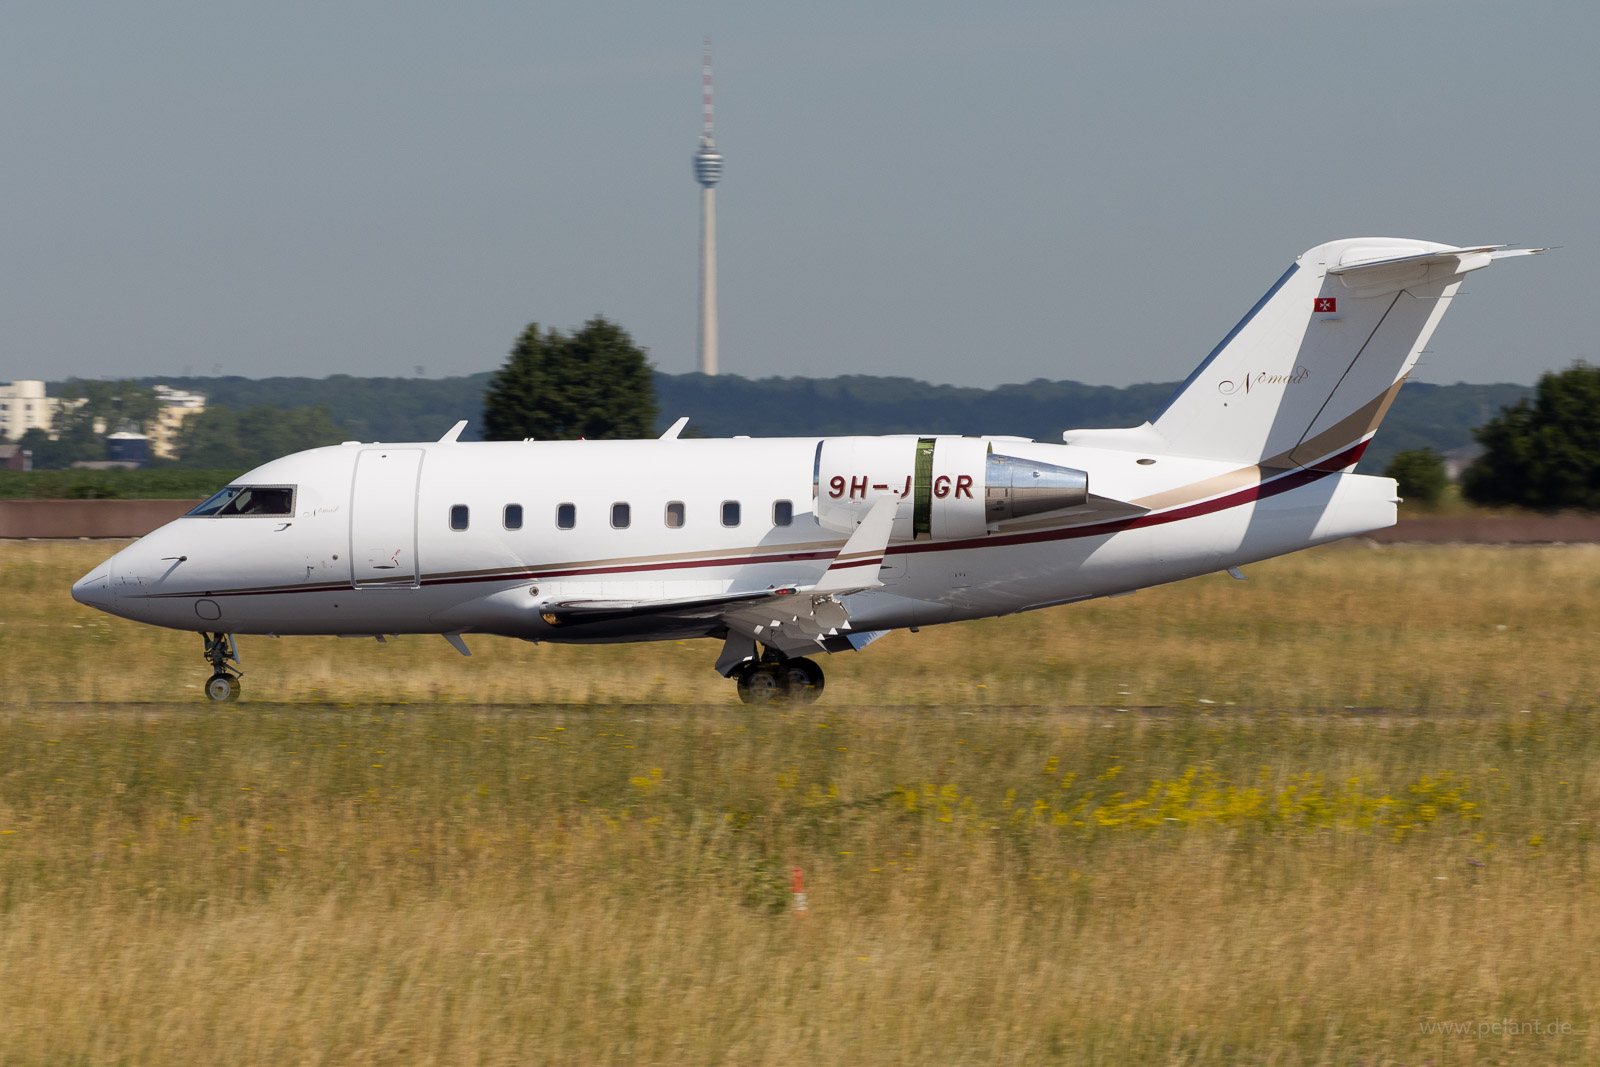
column 1307, row 375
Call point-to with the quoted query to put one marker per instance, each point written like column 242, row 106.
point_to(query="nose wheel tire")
column 222, row 687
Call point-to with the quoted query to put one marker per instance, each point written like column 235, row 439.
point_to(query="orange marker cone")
column 797, row 882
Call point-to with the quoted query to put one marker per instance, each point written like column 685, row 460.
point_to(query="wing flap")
column 817, row 613
column 603, row 609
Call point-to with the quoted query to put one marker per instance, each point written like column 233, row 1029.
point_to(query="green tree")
column 1543, row 453
column 223, row 438
column 47, row 454
column 89, row 403
column 71, row 439
column 595, row 383
column 1420, row 472
column 118, row 405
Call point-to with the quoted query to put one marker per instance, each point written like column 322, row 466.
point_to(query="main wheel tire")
column 222, row 687
column 802, row 680
column 760, row 684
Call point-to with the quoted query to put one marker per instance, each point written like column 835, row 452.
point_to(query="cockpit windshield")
column 249, row 500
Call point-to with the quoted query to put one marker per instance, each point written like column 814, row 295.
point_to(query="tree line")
column 1541, row 453
column 1542, row 449
column 91, row 410
column 218, row 437
column 1440, row 417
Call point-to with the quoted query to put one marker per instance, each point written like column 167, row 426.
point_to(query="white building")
column 23, row 407
column 176, row 405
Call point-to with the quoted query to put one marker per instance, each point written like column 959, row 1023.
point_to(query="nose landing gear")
column 771, row 681
column 224, row 681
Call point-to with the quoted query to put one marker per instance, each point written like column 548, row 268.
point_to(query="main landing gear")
column 773, row 681
column 224, row 681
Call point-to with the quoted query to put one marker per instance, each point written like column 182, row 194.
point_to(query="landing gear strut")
column 770, row 680
column 224, row 681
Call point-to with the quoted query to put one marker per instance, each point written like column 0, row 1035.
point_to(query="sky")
column 965, row 193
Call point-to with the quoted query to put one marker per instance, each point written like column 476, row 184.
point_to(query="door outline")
column 361, row 556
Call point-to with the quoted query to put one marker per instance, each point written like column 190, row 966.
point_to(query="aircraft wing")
column 603, row 609
column 813, row 618
column 788, row 617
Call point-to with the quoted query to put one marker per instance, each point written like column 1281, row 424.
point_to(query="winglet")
column 453, row 434
column 856, row 565
column 675, row 429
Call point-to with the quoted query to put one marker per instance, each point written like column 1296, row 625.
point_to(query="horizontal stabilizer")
column 1461, row 260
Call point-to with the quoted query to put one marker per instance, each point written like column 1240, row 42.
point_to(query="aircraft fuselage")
column 378, row 544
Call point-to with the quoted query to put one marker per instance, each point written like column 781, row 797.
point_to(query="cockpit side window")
column 250, row 500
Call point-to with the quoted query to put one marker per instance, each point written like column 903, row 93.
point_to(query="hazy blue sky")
column 967, row 193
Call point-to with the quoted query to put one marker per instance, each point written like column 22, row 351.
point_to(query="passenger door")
column 383, row 518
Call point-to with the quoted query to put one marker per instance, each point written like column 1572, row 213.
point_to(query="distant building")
column 176, row 405
column 24, row 407
column 127, row 447
column 15, row 458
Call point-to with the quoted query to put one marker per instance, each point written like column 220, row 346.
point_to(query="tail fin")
column 1305, row 378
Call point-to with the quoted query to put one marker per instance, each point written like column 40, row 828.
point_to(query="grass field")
column 1298, row 820
column 1348, row 626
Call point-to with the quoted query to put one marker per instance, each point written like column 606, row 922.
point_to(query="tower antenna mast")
column 708, row 171
column 707, row 132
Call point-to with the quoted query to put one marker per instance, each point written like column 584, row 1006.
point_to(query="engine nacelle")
column 853, row 472
column 947, row 487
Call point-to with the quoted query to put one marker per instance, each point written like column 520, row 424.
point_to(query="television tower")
column 708, row 171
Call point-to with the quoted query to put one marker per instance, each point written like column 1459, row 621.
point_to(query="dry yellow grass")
column 490, row 878
column 1399, row 627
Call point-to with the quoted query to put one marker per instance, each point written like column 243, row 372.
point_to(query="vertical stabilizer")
column 1307, row 375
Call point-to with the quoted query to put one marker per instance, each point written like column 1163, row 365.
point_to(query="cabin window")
column 513, row 516
column 621, row 516
column 257, row 500
column 566, row 516
column 730, row 513
column 675, row 514
column 458, row 517
column 782, row 512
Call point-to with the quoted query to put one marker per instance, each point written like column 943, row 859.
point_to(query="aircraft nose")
column 94, row 588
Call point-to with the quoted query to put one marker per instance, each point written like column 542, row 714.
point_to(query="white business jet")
column 785, row 547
